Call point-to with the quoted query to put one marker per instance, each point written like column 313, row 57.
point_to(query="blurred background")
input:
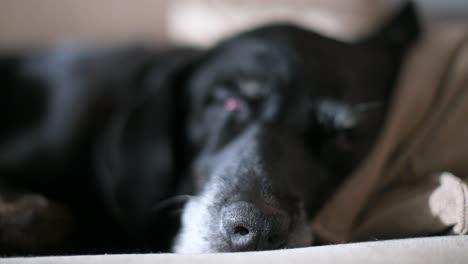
column 40, row 23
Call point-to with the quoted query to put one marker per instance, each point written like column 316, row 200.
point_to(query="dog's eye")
column 232, row 104
column 249, row 90
column 227, row 97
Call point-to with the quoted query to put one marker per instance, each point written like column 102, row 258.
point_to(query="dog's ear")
column 401, row 29
column 136, row 155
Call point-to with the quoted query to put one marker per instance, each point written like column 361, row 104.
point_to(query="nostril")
column 240, row 230
column 245, row 227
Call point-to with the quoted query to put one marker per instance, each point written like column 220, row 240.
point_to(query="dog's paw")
column 32, row 223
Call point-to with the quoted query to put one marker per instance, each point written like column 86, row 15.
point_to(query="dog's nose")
column 247, row 228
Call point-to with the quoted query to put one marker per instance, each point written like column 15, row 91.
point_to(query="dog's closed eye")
column 251, row 90
column 341, row 124
column 232, row 93
column 340, row 116
column 226, row 95
column 334, row 114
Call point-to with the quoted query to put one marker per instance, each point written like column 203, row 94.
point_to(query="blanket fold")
column 413, row 182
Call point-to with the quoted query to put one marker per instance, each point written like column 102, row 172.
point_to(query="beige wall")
column 36, row 23
column 39, row 23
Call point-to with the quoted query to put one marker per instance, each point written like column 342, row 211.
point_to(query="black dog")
column 279, row 116
column 260, row 129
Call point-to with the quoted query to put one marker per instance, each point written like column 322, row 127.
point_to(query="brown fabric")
column 401, row 189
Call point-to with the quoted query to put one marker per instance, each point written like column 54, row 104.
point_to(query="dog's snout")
column 248, row 228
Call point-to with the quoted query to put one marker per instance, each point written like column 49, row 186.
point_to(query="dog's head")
column 278, row 117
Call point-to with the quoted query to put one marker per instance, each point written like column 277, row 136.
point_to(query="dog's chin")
column 201, row 231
